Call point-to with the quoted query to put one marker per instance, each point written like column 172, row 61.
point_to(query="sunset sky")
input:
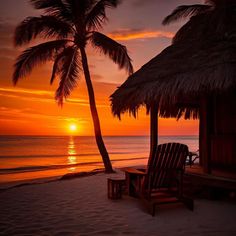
column 30, row 108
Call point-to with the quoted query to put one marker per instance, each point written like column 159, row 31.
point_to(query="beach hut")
column 194, row 78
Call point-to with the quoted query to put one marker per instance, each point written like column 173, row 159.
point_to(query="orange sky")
column 30, row 108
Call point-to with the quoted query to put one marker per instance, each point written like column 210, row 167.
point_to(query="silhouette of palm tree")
column 69, row 25
column 212, row 20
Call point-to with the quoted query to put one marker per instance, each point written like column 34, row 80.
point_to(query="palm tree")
column 69, row 25
column 211, row 20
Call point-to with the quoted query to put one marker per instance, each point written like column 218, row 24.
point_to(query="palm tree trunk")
column 93, row 109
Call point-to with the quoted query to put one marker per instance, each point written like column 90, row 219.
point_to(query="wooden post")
column 205, row 133
column 200, row 138
column 153, row 128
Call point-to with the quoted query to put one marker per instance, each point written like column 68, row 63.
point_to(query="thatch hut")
column 195, row 77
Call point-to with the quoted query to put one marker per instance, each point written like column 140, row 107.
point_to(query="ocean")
column 31, row 158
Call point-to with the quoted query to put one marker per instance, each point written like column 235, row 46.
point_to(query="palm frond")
column 44, row 26
column 97, row 15
column 58, row 8
column 69, row 73
column 57, row 66
column 44, row 4
column 185, row 11
column 117, row 52
column 34, row 56
column 79, row 8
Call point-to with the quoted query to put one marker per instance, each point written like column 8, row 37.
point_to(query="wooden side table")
column 115, row 187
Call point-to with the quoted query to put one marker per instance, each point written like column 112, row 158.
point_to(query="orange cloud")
column 27, row 91
column 129, row 34
column 43, row 96
column 18, row 114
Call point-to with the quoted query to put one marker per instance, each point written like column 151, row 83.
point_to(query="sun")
column 72, row 127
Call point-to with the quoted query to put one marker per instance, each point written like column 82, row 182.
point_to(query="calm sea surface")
column 27, row 158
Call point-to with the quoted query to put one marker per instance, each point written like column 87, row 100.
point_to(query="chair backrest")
column 163, row 166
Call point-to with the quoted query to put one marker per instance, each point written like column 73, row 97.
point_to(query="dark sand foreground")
column 80, row 207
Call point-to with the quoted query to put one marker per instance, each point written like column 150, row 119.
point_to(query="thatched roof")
column 178, row 75
column 182, row 73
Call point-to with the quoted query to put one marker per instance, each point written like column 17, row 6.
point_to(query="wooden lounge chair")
column 162, row 181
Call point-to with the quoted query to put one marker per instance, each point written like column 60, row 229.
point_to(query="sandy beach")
column 80, row 207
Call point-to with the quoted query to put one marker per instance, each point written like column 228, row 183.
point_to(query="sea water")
column 27, row 158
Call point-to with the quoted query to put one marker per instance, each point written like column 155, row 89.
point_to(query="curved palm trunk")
column 93, row 109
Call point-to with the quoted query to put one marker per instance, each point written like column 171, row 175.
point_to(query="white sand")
column 80, row 207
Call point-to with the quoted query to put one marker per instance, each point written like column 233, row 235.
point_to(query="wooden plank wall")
column 223, row 137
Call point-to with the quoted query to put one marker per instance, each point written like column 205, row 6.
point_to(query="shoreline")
column 43, row 176
column 24, row 169
column 64, row 177
column 68, row 176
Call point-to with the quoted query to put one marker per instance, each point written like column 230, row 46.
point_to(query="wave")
column 24, row 169
column 64, row 155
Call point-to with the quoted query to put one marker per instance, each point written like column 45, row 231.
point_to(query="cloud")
column 7, row 50
column 8, row 53
column 16, row 114
column 86, row 103
column 28, row 94
column 150, row 3
column 136, row 34
column 43, row 96
column 6, row 34
column 34, row 95
column 26, row 91
column 96, row 77
column 141, row 3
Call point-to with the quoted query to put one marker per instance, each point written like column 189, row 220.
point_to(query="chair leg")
column 151, row 209
column 188, row 202
column 149, row 206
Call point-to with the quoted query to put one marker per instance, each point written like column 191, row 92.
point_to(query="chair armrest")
column 134, row 171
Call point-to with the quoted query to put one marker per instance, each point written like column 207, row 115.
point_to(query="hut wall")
column 223, row 135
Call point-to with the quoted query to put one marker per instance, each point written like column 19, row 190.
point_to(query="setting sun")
column 72, row 127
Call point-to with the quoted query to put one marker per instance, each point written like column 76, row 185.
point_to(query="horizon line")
column 64, row 135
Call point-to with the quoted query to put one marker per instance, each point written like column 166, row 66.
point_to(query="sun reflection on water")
column 71, row 159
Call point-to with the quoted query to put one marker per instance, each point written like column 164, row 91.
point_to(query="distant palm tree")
column 210, row 20
column 70, row 24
